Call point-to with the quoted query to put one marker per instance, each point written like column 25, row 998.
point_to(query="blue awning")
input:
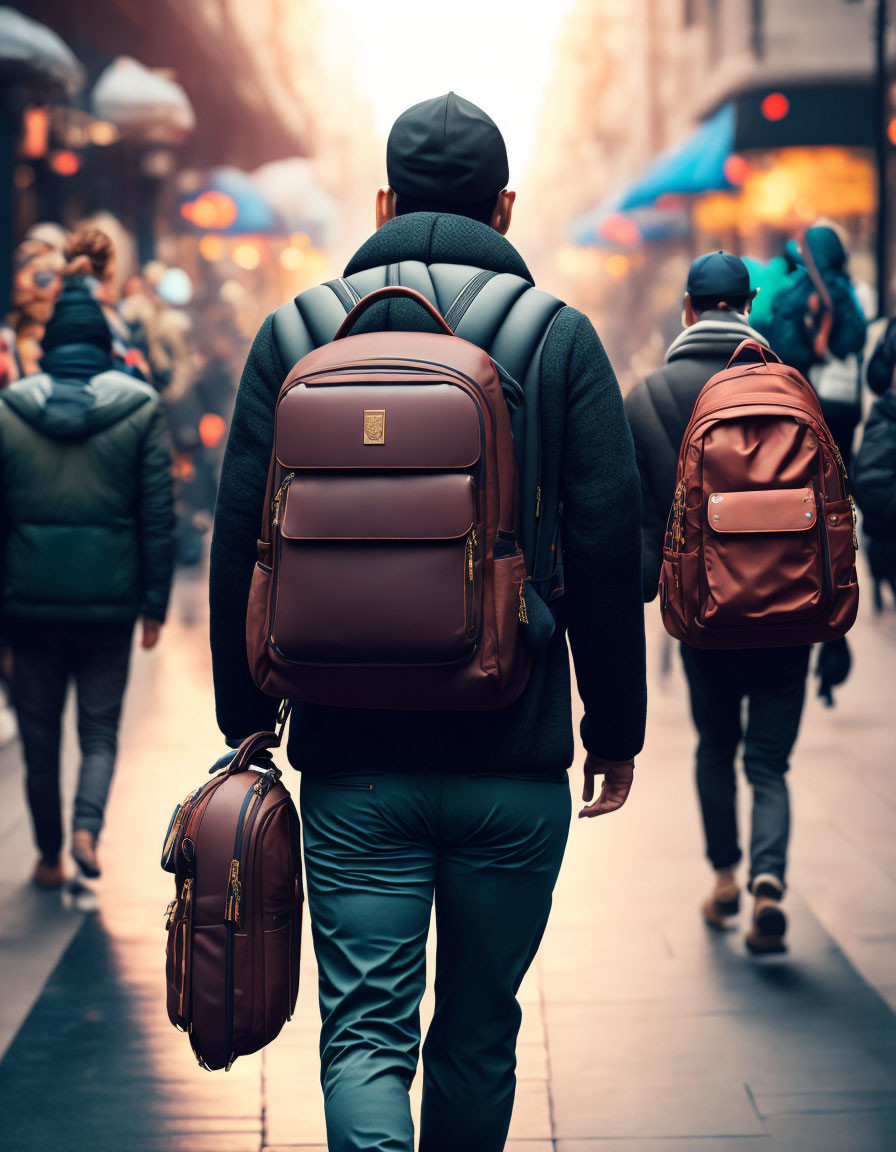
column 607, row 226
column 694, row 165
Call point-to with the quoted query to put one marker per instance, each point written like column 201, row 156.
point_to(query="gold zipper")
column 855, row 534
column 677, row 517
column 280, row 491
column 538, row 502
column 234, row 894
column 524, row 612
column 186, row 895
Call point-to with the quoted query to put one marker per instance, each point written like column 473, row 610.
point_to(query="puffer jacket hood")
column 75, row 409
column 712, row 335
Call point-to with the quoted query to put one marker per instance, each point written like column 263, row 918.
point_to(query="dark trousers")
column 773, row 682
column 46, row 656
column 380, row 850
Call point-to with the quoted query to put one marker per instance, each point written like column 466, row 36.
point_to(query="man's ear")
column 503, row 210
column 385, row 205
column 690, row 316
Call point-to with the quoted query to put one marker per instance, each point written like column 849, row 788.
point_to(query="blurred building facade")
column 266, row 82
column 674, row 126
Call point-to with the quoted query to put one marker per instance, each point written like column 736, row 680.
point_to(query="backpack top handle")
column 391, row 292
column 753, row 346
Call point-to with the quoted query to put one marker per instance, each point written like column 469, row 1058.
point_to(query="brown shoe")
column 48, row 875
column 724, row 900
column 84, row 853
column 766, row 935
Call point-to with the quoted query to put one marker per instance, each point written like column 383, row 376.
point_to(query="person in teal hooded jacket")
column 815, row 323
column 87, row 546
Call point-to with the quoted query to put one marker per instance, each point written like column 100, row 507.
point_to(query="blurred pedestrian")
column 91, row 253
column 36, row 281
column 816, row 324
column 468, row 810
column 717, row 304
column 874, row 481
column 87, row 548
column 882, row 365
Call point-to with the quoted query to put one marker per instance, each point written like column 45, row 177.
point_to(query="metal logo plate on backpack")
column 375, row 426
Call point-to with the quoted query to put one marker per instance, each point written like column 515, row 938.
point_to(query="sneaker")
column 84, row 852
column 766, row 935
column 724, row 900
column 48, row 875
column 76, row 896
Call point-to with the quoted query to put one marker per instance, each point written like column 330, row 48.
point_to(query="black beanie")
column 77, row 319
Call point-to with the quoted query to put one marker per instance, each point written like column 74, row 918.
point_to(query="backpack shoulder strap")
column 308, row 321
column 511, row 320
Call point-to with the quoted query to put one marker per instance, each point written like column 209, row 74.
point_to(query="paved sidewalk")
column 642, row 1032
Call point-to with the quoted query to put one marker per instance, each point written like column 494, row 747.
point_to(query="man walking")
column 469, row 812
column 716, row 318
column 88, row 546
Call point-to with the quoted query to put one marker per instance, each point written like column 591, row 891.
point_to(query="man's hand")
column 618, row 776
column 151, row 631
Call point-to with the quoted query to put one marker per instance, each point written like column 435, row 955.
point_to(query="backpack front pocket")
column 764, row 557
column 378, row 570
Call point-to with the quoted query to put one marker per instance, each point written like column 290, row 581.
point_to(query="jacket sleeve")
column 883, row 361
column 602, row 554
column 157, row 539
column 874, row 469
column 653, row 518
column 241, row 708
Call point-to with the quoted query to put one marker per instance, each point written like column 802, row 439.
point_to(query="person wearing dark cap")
column 467, row 811
column 716, row 319
column 87, row 546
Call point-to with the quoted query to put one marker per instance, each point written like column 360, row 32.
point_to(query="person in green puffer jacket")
column 87, row 539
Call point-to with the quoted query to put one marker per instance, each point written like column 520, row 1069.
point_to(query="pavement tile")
column 531, row 1112
column 708, row 1105
column 873, row 1131
column 691, row 1144
column 798, row 1103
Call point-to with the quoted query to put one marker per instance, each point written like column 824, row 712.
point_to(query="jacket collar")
column 715, row 334
column 76, row 361
column 439, row 238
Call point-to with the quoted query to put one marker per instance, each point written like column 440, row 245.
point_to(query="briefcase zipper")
column 187, row 898
column 248, row 810
column 250, row 805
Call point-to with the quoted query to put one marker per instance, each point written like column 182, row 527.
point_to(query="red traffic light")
column 775, row 106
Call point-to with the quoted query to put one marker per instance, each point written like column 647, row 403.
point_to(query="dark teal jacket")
column 588, row 462
column 87, row 508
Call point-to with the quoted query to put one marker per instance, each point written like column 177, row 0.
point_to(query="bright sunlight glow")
column 498, row 55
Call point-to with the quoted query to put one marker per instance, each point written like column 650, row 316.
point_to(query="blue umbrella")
column 248, row 210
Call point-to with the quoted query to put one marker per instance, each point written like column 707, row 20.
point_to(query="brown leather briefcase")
column 234, row 928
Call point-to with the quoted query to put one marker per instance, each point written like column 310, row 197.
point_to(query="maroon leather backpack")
column 389, row 571
column 760, row 547
column 234, row 928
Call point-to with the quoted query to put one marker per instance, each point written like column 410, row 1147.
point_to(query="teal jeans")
column 379, row 850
